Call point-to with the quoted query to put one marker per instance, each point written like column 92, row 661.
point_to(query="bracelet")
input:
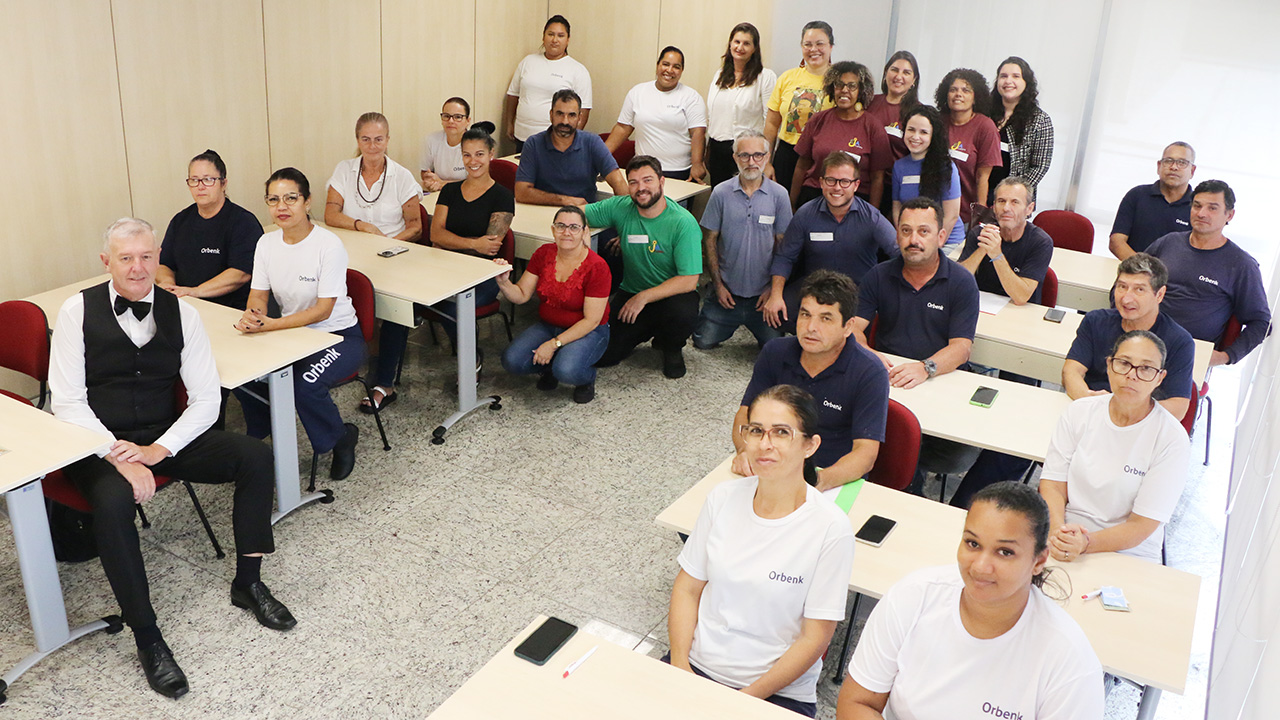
column 356, row 226
column 1087, row 542
column 1001, row 255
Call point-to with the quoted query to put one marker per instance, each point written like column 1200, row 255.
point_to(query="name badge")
column 960, row 155
column 821, row 237
column 911, row 180
column 1004, row 147
column 766, row 219
column 891, row 130
column 638, row 239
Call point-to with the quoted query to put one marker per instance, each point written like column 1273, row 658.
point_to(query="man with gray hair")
column 1149, row 212
column 120, row 351
column 1012, row 257
column 742, row 225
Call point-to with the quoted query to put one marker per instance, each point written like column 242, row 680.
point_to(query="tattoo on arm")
column 499, row 223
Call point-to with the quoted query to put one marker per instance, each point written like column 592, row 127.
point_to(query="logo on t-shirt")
column 935, row 306
column 995, row 710
column 854, row 144
column 833, row 406
column 1211, row 281
column 654, row 247
column 211, row 251
column 304, row 278
column 784, row 578
column 1182, row 222
column 1135, row 471
column 959, row 145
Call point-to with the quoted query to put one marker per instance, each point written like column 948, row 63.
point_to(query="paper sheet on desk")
column 991, row 303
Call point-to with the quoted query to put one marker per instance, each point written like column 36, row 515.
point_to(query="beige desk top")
column 1088, row 277
column 1151, row 644
column 531, row 224
column 240, row 358
column 38, row 443
column 613, row 683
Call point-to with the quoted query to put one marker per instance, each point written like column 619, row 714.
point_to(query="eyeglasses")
column 1179, row 163
column 205, row 181
column 842, row 182
column 810, row 45
column 566, row 227
column 846, row 85
column 778, row 434
column 1145, row 373
column 291, row 199
column 745, row 156
column 456, row 117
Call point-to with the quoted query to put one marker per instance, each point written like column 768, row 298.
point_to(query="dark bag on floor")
column 72, row 533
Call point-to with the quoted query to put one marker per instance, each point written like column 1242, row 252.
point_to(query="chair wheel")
column 437, row 440
column 439, row 431
column 328, row 496
column 495, row 406
column 3, row 686
column 114, row 624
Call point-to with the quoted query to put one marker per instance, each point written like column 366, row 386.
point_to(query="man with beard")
column 559, row 166
column 661, row 260
column 742, row 224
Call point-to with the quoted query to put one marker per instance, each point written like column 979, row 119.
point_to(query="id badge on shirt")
column 766, row 219
column 821, row 237
column 910, row 179
column 637, row 239
column 960, row 155
column 893, row 130
column 1004, row 147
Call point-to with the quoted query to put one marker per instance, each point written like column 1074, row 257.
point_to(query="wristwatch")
column 930, row 367
column 559, row 344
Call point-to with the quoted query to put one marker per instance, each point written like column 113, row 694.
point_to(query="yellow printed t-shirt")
column 797, row 96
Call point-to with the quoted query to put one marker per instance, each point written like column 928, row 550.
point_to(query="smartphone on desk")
column 544, row 642
column 393, row 251
column 875, row 530
column 1055, row 315
column 984, row 396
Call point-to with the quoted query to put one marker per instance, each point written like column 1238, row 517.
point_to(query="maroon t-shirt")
column 562, row 302
column 976, row 144
column 889, row 115
column 864, row 138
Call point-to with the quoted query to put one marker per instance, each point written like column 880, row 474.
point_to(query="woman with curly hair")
column 847, row 127
column 1026, row 132
column 975, row 142
column 928, row 170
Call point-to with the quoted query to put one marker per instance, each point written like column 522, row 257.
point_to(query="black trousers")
column 669, row 322
column 720, row 164
column 214, row 457
column 784, row 163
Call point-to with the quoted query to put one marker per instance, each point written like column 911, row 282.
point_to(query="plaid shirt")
column 1030, row 158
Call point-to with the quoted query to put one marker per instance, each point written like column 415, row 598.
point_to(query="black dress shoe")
column 162, row 671
column 547, row 382
column 673, row 363
column 584, row 393
column 269, row 611
column 344, row 453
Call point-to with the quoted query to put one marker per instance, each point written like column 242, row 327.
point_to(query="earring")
column 858, row 106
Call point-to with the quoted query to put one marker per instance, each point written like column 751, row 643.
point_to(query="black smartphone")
column 875, row 530
column 1055, row 315
column 984, row 396
column 546, row 640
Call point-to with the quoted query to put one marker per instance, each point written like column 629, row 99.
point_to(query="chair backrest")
column 15, row 396
column 1189, row 420
column 426, row 225
column 1069, row 230
column 896, row 464
column 1049, row 289
column 624, row 153
column 503, row 172
column 871, row 331
column 508, row 250
column 25, row 344
column 1229, row 334
column 360, row 290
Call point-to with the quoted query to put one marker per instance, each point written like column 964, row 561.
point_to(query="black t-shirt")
column 471, row 219
column 197, row 249
column 1029, row 257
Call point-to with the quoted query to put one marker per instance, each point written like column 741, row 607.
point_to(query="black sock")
column 248, row 571
column 147, row 635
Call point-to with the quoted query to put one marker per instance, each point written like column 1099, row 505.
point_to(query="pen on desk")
column 1091, row 595
column 577, row 663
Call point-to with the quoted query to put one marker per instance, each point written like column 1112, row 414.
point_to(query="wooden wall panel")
column 63, row 179
column 324, row 69
column 701, row 31
column 507, row 30
column 181, row 96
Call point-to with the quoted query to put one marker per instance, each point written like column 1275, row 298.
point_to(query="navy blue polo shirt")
column 572, row 172
column 1144, row 215
column 1098, row 332
column 852, row 395
column 918, row 323
column 1029, row 257
column 848, row 246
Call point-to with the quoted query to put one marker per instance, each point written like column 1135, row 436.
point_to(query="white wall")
column 861, row 29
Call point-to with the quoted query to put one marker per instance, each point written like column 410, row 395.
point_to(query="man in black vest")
column 119, row 351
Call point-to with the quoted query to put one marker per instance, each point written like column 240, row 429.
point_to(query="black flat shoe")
column 344, row 453
column 547, row 382
column 162, row 671
column 584, row 394
column 673, row 363
column 269, row 611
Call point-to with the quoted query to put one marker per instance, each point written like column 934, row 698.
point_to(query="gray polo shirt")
column 747, row 227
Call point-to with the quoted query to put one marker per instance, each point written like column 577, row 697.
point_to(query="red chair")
column 426, row 225
column 896, row 464
column 1049, row 289
column 504, row 173
column 27, row 352
column 506, row 252
column 1229, row 335
column 624, row 153
column 1069, row 230
column 1189, row 419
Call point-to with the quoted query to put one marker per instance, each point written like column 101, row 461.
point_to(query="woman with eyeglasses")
column 975, row 143
column 899, row 88
column 847, row 127
column 927, row 170
column 670, row 119
column 442, row 151
column 1117, row 461
column 572, row 284
column 304, row 267
column 208, row 248
column 737, row 100
column 799, row 94
column 372, row 193
column 764, row 576
column 1026, row 132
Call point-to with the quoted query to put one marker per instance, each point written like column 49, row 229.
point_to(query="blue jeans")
column 717, row 323
column 573, row 364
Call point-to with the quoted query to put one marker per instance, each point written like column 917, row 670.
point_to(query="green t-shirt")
column 654, row 250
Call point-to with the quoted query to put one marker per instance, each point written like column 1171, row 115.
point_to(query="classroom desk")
column 613, row 683
column 531, row 225
column 1084, row 280
column 1151, row 645
column 241, row 359
column 678, row 190
column 427, row 275
column 34, row 443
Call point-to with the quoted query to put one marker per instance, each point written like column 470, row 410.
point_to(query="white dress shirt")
column 70, row 396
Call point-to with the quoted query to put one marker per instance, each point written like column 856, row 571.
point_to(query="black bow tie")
column 139, row 308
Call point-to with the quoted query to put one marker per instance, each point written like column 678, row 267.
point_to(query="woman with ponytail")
column 765, row 573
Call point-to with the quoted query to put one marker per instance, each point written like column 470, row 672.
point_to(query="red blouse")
column 562, row 301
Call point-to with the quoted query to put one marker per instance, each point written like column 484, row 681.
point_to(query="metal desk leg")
column 466, row 317
column 284, row 445
column 40, row 581
column 1147, row 705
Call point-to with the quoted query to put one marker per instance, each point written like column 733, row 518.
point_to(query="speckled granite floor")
column 433, row 557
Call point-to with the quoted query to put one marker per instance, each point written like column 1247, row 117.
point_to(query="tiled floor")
column 433, row 557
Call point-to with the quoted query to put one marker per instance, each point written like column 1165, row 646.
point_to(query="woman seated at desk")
column 305, row 268
column 1117, row 461
column 472, row 216
column 765, row 573
column 371, row 192
column 572, row 282
column 442, row 151
column 980, row 638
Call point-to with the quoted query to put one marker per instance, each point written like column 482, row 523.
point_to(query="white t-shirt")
column 915, row 648
column 441, row 158
column 1112, row 471
column 298, row 274
column 733, row 111
column 763, row 578
column 384, row 207
column 662, row 121
column 535, row 80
